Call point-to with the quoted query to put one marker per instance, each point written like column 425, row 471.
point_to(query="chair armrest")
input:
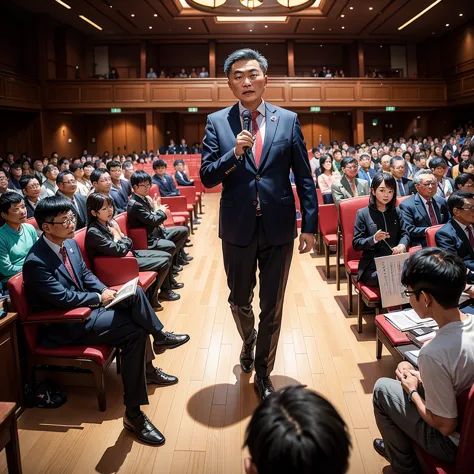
column 175, row 203
column 113, row 271
column 139, row 238
column 58, row 316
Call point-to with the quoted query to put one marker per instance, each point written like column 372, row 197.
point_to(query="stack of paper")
column 408, row 319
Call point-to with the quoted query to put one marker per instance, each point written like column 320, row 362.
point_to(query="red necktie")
column 258, row 138
column 68, row 265
column 471, row 236
column 434, row 220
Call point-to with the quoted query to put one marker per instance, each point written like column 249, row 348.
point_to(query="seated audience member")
column 63, row 164
column 15, row 176
column 337, row 157
column 4, row 183
column 419, row 160
column 327, row 178
column 77, row 169
column 182, row 74
column 113, row 74
column 193, row 74
column 104, row 237
column 465, row 155
column 448, row 156
column 67, row 187
column 38, row 171
column 86, row 177
column 385, row 163
column 180, row 176
column 196, row 149
column 203, row 73
column 379, row 230
column 16, row 237
column 151, row 74
column 365, row 171
column 457, row 235
column 445, row 186
column 121, row 188
column 31, row 190
column 421, row 405
column 55, row 276
column 314, row 162
column 172, row 149
column 296, row 431
column 467, row 166
column 464, row 182
column 127, row 170
column 398, row 169
column 100, row 165
column 147, row 212
column 101, row 181
column 410, row 167
column 49, row 187
column 183, row 147
column 349, row 186
column 164, row 181
column 424, row 209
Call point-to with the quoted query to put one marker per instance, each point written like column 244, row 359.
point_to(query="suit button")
column 257, row 177
column 255, row 202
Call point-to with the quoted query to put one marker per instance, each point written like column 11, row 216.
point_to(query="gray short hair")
column 419, row 176
column 242, row 55
column 395, row 159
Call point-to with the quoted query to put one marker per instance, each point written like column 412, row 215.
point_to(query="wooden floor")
column 204, row 417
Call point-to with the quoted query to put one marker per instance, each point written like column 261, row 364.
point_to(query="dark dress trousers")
column 368, row 221
column 182, row 179
column 126, row 325
column 416, row 217
column 100, row 241
column 453, row 238
column 249, row 240
column 166, row 185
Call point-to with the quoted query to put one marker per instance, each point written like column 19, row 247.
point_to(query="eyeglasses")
column 71, row 181
column 351, row 167
column 33, row 186
column 409, row 293
column 3, row 178
column 429, row 185
column 467, row 207
column 146, row 186
column 66, row 223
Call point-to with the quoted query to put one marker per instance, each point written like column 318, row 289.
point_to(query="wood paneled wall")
column 20, row 132
column 173, row 57
column 376, row 57
column 126, row 59
column 326, row 127
column 316, row 55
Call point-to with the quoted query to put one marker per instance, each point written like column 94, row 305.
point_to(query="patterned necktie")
column 471, row 235
column 68, row 265
column 433, row 218
column 258, row 138
column 400, row 188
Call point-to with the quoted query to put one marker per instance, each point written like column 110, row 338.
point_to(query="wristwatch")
column 410, row 395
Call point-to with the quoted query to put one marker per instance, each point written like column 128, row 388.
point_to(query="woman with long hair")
column 410, row 167
column 379, row 229
column 327, row 177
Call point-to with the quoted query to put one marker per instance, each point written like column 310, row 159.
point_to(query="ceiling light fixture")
column 255, row 19
column 251, row 4
column 460, row 14
column 447, row 24
column 65, row 5
column 342, row 16
column 189, row 28
column 133, row 15
column 428, row 8
column 342, row 27
column 150, row 27
column 155, row 15
column 371, row 8
column 351, row 8
column 313, row 29
column 292, row 3
column 95, row 25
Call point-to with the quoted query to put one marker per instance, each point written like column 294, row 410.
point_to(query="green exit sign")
column 116, row 111
column 315, row 109
column 390, row 109
column 192, row 109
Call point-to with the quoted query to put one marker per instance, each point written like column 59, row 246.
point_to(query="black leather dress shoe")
column 157, row 306
column 177, row 268
column 171, row 341
column 187, row 258
column 263, row 387
column 169, row 295
column 187, row 244
column 158, row 377
column 196, row 222
column 247, row 357
column 144, row 429
column 183, row 262
column 379, row 446
column 176, row 285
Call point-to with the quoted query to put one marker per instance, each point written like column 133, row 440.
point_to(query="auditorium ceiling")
column 330, row 20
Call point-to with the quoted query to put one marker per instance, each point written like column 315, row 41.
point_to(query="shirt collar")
column 463, row 227
column 260, row 108
column 54, row 247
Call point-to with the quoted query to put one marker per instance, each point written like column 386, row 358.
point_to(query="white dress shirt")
column 261, row 122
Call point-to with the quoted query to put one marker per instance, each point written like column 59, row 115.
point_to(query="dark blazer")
column 408, row 187
column 362, row 174
column 120, row 196
column 183, row 149
column 182, row 179
column 368, row 221
column 452, row 237
column 48, row 285
column 167, row 187
column 80, row 211
column 140, row 214
column 30, row 211
column 283, row 149
column 171, row 150
column 416, row 217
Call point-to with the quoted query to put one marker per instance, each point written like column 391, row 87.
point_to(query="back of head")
column 297, row 431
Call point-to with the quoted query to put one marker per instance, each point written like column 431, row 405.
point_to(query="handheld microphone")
column 247, row 119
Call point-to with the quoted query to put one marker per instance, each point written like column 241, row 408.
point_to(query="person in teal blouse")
column 16, row 237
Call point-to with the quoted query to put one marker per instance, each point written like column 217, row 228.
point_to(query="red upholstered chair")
column 192, row 201
column 400, row 199
column 179, row 207
column 465, row 458
column 138, row 236
column 97, row 359
column 32, row 221
column 319, row 195
column 347, row 212
column 430, row 235
column 299, row 220
column 389, row 336
column 328, row 222
column 154, row 190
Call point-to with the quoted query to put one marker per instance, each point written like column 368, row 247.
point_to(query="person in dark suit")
column 180, row 176
column 31, row 190
column 183, row 147
column 15, row 176
column 257, row 222
column 147, row 212
column 365, row 171
column 424, row 209
column 398, row 170
column 457, row 235
column 163, row 180
column 121, row 188
column 67, row 187
column 55, row 276
column 445, row 185
column 172, row 149
column 349, row 186
column 379, row 230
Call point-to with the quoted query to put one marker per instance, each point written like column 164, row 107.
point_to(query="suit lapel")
column 270, row 129
column 346, row 185
column 462, row 235
column 422, row 209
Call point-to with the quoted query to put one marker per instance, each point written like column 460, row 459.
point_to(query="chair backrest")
column 122, row 221
column 430, row 235
column 465, row 457
column 32, row 221
column 20, row 304
column 319, row 195
column 328, row 219
column 154, row 190
column 400, row 199
column 169, row 219
column 80, row 238
column 347, row 213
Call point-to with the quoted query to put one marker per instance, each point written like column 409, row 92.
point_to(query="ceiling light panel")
column 427, row 9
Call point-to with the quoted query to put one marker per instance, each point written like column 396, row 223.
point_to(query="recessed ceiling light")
column 351, row 8
column 342, row 27
column 313, row 29
column 250, row 31
column 330, row 29
column 320, row 45
column 150, row 27
column 460, row 14
column 238, row 9
column 447, row 24
column 132, row 15
column 189, row 28
column 155, row 15
column 266, row 26
column 371, row 8
column 64, row 4
column 342, row 16
column 110, row 6
column 381, row 45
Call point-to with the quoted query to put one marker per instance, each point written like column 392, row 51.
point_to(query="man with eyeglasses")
column 4, row 183
column 424, row 209
column 31, row 189
column 398, row 169
column 49, row 187
column 67, row 187
column 349, row 186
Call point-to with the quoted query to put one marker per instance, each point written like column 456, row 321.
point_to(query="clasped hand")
column 107, row 296
column 243, row 141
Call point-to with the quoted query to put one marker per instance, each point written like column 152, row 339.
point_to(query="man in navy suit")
column 67, row 187
column 458, row 234
column 55, row 276
column 398, row 169
column 163, row 180
column 180, row 176
column 257, row 221
column 365, row 171
column 424, row 209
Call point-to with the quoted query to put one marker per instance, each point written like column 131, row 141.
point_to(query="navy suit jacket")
column 417, row 220
column 408, row 186
column 48, row 285
column 362, row 174
column 284, row 149
column 452, row 237
column 167, row 187
column 182, row 179
column 30, row 212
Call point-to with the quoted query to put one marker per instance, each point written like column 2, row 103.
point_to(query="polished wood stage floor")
column 204, row 417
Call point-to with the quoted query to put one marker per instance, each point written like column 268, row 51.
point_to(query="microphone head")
column 247, row 119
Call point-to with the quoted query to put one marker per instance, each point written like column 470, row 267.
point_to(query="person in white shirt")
column 203, row 72
column 49, row 187
column 421, row 405
column 151, row 74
